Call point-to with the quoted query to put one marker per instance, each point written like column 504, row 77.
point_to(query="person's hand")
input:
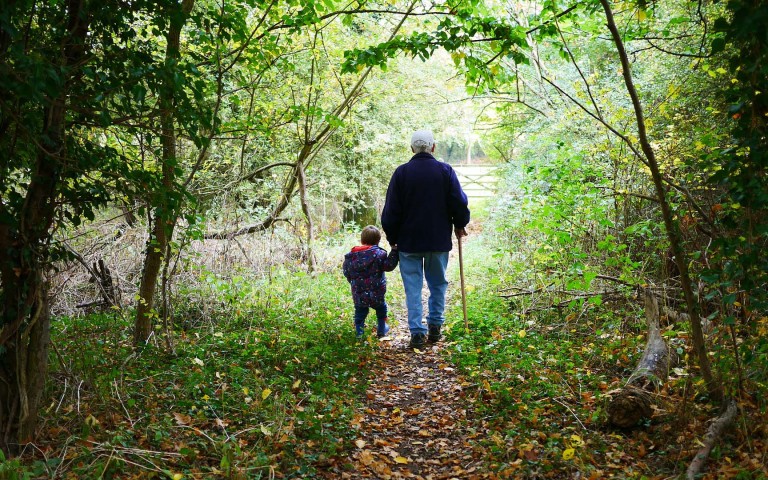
column 460, row 232
column 394, row 247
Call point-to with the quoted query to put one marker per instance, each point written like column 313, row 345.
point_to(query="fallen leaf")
column 366, row 458
column 91, row 421
column 182, row 419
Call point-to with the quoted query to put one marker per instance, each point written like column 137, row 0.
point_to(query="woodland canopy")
column 179, row 180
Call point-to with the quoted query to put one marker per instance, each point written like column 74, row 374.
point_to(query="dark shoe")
column 418, row 340
column 434, row 334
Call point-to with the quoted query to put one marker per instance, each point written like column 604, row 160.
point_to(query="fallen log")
column 633, row 402
column 714, row 432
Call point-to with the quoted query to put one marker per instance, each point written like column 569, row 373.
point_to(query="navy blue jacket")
column 424, row 204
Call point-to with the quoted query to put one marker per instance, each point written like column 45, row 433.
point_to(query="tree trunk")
column 25, row 318
column 165, row 215
column 633, row 402
column 671, row 226
column 24, row 343
column 307, row 214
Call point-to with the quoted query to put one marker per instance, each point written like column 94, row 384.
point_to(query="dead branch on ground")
column 714, row 432
column 633, row 402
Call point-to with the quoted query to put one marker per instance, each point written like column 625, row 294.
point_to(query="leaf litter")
column 415, row 422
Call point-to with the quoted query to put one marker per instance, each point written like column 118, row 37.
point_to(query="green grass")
column 268, row 381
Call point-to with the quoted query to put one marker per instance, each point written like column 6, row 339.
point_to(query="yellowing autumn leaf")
column 521, row 334
column 91, row 421
column 266, row 431
column 360, row 443
column 568, row 453
column 366, row 458
column 197, row 361
column 487, row 386
column 577, row 440
column 296, row 384
column 400, row 459
column 177, row 476
column 265, row 393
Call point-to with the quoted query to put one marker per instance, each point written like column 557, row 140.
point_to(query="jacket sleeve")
column 392, row 214
column 457, row 202
column 345, row 268
column 390, row 261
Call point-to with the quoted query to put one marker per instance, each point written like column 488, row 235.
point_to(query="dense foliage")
column 204, row 151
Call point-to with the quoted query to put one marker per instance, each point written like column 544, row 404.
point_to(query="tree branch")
column 564, row 12
column 714, row 432
column 610, row 127
column 673, row 232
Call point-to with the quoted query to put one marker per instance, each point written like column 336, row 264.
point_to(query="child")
column 364, row 267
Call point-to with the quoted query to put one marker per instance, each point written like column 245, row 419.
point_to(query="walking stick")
column 463, row 290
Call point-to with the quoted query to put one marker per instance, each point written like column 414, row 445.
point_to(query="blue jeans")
column 362, row 312
column 414, row 268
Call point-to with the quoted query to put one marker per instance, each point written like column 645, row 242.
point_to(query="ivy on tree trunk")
column 25, row 243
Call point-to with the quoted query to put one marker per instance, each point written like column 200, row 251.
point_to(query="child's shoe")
column 382, row 328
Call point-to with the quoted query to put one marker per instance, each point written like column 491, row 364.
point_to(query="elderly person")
column 424, row 204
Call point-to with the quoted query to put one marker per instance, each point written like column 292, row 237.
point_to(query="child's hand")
column 394, row 247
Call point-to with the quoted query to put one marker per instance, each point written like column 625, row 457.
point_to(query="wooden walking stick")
column 463, row 290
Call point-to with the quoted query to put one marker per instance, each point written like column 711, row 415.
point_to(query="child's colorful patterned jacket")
column 364, row 267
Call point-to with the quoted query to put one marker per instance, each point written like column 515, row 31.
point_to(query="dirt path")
column 416, row 422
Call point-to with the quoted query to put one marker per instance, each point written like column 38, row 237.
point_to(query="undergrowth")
column 540, row 382
column 266, row 382
column 261, row 377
